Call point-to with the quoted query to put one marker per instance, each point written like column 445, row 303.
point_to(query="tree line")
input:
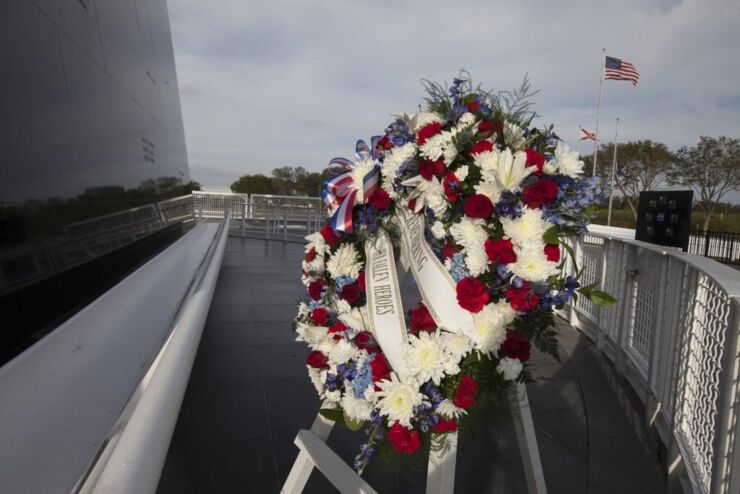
column 285, row 180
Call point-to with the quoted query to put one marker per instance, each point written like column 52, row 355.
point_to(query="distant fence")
column 720, row 246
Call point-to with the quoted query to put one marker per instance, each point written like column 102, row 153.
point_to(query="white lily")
column 511, row 169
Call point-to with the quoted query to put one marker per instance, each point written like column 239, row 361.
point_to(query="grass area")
column 719, row 223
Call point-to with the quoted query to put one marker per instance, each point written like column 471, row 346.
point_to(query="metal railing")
column 673, row 334
column 720, row 246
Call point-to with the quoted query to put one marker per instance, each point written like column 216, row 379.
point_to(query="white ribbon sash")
column 384, row 307
column 437, row 288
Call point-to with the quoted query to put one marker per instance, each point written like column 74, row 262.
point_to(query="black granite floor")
column 249, row 394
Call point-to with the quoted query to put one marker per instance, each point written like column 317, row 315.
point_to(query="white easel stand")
column 441, row 468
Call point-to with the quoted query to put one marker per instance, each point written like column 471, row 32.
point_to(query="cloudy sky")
column 273, row 83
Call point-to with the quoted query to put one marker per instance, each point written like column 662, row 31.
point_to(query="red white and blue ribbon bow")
column 341, row 193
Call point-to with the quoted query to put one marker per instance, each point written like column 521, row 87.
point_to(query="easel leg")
column 303, row 465
column 441, row 468
column 527, row 440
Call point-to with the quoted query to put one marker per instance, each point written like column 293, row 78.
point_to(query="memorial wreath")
column 476, row 203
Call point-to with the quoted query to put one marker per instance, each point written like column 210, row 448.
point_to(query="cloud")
column 266, row 84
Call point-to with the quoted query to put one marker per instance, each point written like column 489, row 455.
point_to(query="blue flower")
column 363, row 377
column 458, row 270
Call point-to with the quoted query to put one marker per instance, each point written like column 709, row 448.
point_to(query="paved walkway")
column 249, row 395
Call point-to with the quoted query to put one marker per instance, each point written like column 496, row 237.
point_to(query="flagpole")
column 611, row 180
column 598, row 108
column 579, row 140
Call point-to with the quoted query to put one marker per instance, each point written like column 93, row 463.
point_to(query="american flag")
column 617, row 69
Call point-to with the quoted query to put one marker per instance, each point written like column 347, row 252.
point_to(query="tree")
column 253, row 184
column 711, row 169
column 641, row 165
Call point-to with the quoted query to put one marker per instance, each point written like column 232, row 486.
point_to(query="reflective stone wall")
column 90, row 125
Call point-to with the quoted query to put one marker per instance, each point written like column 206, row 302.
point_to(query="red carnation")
column 452, row 187
column 311, row 255
column 317, row 360
column 522, row 298
column 365, row 341
column 385, row 143
column 338, row 327
column 429, row 169
column 380, row 368
column 449, row 250
column 380, row 199
column 421, row 320
column 320, row 316
column 404, row 440
column 361, row 280
column 515, row 346
column 535, row 159
column 552, row 252
column 314, row 289
column 445, row 425
column 465, row 392
column 330, row 237
column 472, row 294
column 473, row 106
column 487, row 126
column 500, row 250
column 543, row 192
column 481, row 147
column 478, row 206
column 429, row 130
column 351, row 293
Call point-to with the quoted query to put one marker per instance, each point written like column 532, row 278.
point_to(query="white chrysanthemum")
column 397, row 400
column 392, row 162
column 528, row 228
column 355, row 408
column 316, row 337
column 361, row 169
column 422, row 119
column 462, row 173
column 316, row 241
column 466, row 119
column 438, row 230
column 514, row 136
column 345, row 262
column 549, row 168
column 427, row 193
column 342, row 352
column 510, row 368
column 448, row 410
column 486, row 161
column 449, row 153
column 532, row 264
column 351, row 316
column 333, row 397
column 567, row 161
column 426, row 358
column 476, row 260
column 456, row 344
column 469, row 232
column 314, row 268
column 303, row 309
column 512, row 169
column 318, row 379
column 489, row 187
column 490, row 325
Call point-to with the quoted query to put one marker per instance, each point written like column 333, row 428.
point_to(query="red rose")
column 429, row 130
column 500, row 250
column 320, row 316
column 338, row 327
column 380, row 199
column 365, row 341
column 535, row 159
column 472, row 294
column 487, row 126
column 317, row 360
column 478, row 206
column 350, row 293
column 314, row 289
column 481, row 147
column 402, row 439
column 452, row 187
column 465, row 392
column 421, row 320
column 515, row 346
column 543, row 192
column 445, row 425
column 330, row 237
column 429, row 169
column 522, row 298
column 380, row 368
column 449, row 250
column 361, row 281
column 552, row 252
column 473, row 106
column 311, row 255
